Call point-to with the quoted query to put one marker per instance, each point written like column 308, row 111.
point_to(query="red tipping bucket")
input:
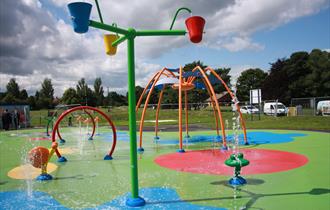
column 195, row 26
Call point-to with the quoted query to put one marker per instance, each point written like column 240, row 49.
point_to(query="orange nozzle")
column 97, row 119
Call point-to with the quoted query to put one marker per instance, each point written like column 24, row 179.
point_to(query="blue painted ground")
column 156, row 198
column 253, row 138
column 121, row 136
column 20, row 200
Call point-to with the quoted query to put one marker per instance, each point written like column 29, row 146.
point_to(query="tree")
column 138, row 92
column 85, row 94
column 224, row 74
column 248, row 80
column 115, row 99
column 301, row 75
column 32, row 102
column 46, row 93
column 23, row 95
column 70, row 97
column 81, row 89
column 13, row 88
column 47, row 89
column 191, row 66
column 195, row 95
column 13, row 95
column 98, row 91
column 9, row 99
column 276, row 83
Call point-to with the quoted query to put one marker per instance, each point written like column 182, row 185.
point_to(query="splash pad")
column 263, row 161
column 88, row 182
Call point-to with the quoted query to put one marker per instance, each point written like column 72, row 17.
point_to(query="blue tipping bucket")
column 80, row 13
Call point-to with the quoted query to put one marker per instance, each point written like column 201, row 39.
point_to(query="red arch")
column 93, row 132
column 114, row 136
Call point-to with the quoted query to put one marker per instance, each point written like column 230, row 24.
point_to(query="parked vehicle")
column 323, row 108
column 249, row 109
column 275, row 108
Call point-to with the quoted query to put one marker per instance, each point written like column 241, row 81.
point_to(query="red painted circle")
column 40, row 138
column 262, row 161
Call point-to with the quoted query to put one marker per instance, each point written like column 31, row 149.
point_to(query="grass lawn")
column 204, row 117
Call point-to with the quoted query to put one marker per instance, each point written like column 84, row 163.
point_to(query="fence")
column 311, row 106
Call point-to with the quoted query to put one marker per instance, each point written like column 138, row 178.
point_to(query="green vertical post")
column 131, row 112
column 135, row 200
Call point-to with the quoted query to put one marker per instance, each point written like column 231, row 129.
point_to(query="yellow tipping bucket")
column 108, row 40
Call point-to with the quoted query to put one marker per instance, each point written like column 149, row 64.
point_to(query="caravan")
column 323, row 108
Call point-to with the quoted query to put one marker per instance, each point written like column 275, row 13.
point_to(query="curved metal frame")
column 155, row 80
column 138, row 104
column 157, row 111
column 208, row 83
column 54, row 116
column 114, row 136
column 214, row 102
column 93, row 132
column 233, row 98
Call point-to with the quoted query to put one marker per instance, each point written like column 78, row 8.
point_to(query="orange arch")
column 145, row 89
column 216, row 104
column 155, row 80
column 234, row 99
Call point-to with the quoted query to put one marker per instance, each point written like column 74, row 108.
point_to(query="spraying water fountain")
column 236, row 159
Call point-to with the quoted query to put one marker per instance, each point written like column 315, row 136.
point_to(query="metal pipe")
column 158, row 108
column 176, row 14
column 106, row 27
column 99, row 11
column 119, row 40
column 180, row 109
column 186, row 110
column 146, row 104
column 132, row 117
column 216, row 104
column 161, row 33
column 234, row 98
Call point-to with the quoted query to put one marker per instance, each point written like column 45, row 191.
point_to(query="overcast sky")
column 37, row 40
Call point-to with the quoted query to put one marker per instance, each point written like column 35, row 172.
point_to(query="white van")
column 273, row 108
column 323, row 108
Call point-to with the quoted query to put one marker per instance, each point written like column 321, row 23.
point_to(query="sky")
column 37, row 40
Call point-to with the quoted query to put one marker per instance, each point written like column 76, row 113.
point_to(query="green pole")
column 161, row 33
column 131, row 113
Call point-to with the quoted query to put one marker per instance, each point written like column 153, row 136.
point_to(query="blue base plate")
column 44, row 177
column 107, row 157
column 181, row 151
column 135, row 202
column 236, row 181
column 62, row 159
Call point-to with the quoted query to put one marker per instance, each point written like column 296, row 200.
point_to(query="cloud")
column 235, row 44
column 37, row 42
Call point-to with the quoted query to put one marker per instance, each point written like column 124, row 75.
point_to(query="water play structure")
column 80, row 15
column 52, row 116
column 40, row 156
column 183, row 81
column 104, row 184
column 86, row 109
